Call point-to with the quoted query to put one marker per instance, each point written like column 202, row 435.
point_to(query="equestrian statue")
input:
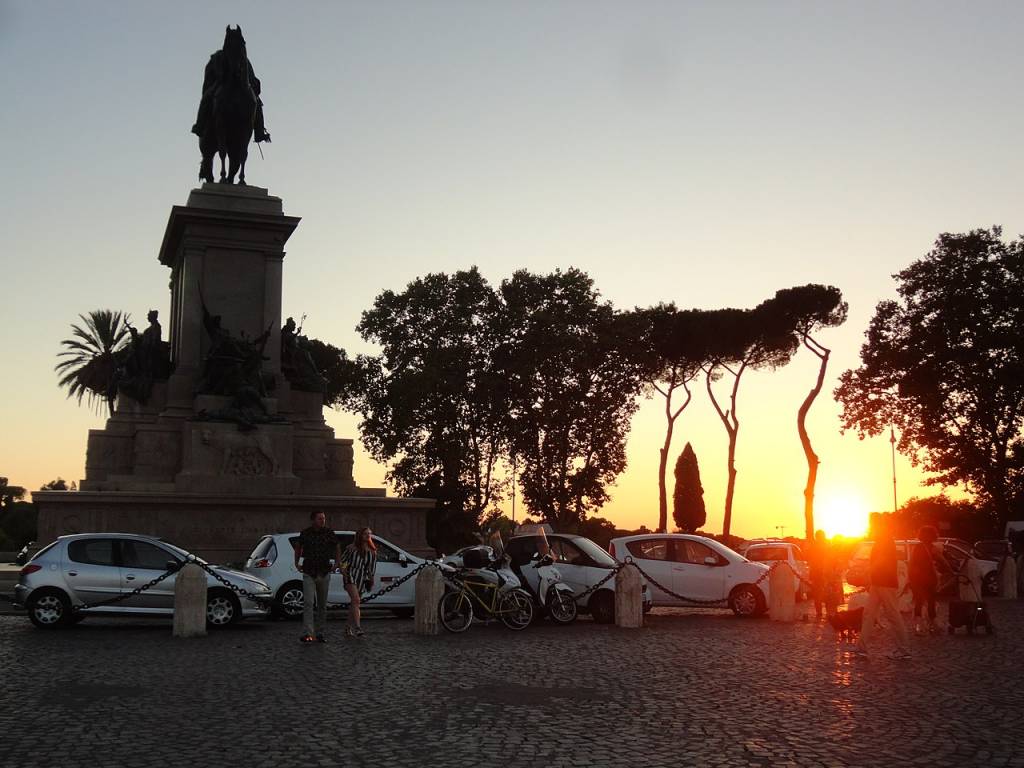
column 230, row 111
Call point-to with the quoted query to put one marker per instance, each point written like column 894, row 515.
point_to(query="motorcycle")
column 553, row 597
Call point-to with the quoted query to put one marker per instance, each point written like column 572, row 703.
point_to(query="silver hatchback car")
column 90, row 568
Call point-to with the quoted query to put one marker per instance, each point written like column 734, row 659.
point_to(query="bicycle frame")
column 494, row 591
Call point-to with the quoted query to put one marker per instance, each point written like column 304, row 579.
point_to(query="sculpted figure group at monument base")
column 297, row 363
column 145, row 360
column 233, row 368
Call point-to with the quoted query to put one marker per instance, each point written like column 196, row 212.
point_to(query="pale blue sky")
column 706, row 153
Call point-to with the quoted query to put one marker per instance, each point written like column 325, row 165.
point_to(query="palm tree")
column 91, row 357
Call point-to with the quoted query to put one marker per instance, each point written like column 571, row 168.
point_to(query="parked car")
column 992, row 549
column 783, row 551
column 581, row 564
column 92, row 567
column 273, row 560
column 952, row 551
column 696, row 567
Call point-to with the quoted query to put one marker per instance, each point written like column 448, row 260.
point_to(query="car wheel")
column 49, row 609
column 990, row 584
column 602, row 606
column 290, row 600
column 747, row 600
column 561, row 607
column 222, row 609
column 403, row 613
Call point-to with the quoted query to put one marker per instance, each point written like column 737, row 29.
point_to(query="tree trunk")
column 732, row 427
column 731, row 487
column 670, row 420
column 805, row 440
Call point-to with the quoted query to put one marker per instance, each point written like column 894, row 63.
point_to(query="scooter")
column 552, row 596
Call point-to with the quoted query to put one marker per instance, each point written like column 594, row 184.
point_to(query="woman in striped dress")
column 358, row 563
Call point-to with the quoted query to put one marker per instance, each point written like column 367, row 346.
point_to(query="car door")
column 141, row 562
column 336, row 587
column 574, row 567
column 697, row 570
column 92, row 569
column 654, row 557
column 388, row 571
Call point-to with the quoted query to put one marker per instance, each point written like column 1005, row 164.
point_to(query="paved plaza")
column 691, row 688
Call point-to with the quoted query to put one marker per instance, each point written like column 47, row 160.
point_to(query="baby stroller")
column 971, row 614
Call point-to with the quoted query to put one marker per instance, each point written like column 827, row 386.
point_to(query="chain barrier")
column 126, row 595
column 263, row 600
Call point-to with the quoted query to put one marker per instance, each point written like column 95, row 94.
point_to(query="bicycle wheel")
column 516, row 609
column 455, row 611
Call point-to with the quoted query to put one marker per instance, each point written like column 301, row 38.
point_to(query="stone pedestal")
column 174, row 467
column 429, row 591
column 190, row 602
column 224, row 528
column 629, row 606
column 1008, row 582
column 782, row 596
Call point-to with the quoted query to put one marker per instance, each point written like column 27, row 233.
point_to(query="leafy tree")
column 572, row 390
column 809, row 309
column 673, row 352
column 19, row 521
column 60, row 484
column 688, row 500
column 91, row 357
column 430, row 401
column 340, row 374
column 945, row 364
column 10, row 493
column 757, row 338
column 959, row 518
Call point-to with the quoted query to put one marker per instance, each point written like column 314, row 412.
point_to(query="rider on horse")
column 211, row 81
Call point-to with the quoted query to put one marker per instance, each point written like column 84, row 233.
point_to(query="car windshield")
column 761, row 554
column 184, row 555
column 594, row 552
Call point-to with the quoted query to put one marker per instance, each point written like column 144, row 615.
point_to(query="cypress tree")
column 688, row 498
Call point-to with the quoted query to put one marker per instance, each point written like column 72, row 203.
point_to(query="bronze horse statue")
column 233, row 111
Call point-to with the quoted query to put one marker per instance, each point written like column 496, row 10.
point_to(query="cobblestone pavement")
column 691, row 688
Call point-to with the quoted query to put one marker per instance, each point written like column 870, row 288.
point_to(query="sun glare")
column 842, row 516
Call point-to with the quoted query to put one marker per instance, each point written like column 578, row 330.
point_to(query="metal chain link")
column 258, row 599
column 676, row 595
column 119, row 598
column 594, row 587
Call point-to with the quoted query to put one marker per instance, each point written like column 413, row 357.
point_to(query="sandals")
column 307, row 639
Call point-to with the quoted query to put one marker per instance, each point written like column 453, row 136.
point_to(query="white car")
column 273, row 560
column 580, row 562
column 696, row 567
column 771, row 552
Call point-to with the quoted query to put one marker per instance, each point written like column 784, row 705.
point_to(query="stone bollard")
column 782, row 605
column 429, row 590
column 970, row 588
column 190, row 602
column 1008, row 587
column 629, row 606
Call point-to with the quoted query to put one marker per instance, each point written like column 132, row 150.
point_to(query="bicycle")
column 514, row 607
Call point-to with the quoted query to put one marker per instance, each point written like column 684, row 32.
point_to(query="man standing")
column 317, row 547
column 882, row 593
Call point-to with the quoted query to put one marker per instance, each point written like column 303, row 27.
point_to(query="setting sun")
column 841, row 516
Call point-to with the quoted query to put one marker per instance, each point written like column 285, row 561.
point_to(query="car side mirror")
column 172, row 565
column 403, row 560
column 710, row 560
